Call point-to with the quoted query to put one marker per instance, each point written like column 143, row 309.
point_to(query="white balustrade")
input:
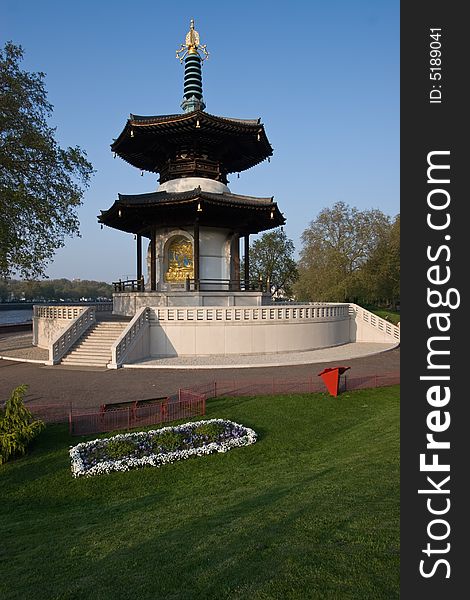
column 67, row 311
column 57, row 312
column 127, row 340
column 361, row 314
column 66, row 339
column 252, row 313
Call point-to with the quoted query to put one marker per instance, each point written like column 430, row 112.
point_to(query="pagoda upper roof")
column 149, row 142
column 139, row 212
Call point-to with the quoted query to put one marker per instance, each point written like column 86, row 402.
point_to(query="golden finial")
column 192, row 45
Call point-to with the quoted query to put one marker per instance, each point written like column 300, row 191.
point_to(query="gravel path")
column 241, row 361
column 86, row 387
column 19, row 345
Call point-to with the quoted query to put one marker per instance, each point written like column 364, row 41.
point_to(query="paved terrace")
column 86, row 387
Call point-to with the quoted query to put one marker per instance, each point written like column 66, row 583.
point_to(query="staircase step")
column 106, row 348
column 84, row 359
column 94, row 347
column 98, row 356
column 86, row 363
column 101, row 352
column 107, row 340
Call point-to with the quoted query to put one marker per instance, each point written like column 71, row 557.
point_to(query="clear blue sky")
column 323, row 77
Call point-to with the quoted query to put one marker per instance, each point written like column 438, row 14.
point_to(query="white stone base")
column 245, row 337
column 128, row 303
column 250, row 330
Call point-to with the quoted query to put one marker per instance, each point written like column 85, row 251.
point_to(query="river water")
column 16, row 316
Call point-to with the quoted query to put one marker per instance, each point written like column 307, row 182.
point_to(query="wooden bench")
column 132, row 404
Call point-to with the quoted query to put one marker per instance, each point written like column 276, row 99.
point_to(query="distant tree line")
column 347, row 255
column 54, row 289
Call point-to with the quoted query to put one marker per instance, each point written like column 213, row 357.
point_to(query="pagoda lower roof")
column 139, row 213
column 149, row 142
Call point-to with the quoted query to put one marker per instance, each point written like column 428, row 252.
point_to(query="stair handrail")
column 69, row 336
column 375, row 321
column 128, row 338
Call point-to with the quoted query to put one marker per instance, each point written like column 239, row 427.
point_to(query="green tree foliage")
column 41, row 184
column 272, row 261
column 380, row 276
column 17, row 425
column 336, row 247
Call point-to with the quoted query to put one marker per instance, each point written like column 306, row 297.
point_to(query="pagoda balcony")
column 131, row 295
column 195, row 167
column 193, row 285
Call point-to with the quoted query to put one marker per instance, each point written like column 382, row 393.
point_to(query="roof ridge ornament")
column 192, row 45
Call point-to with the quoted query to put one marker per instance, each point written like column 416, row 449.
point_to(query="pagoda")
column 193, row 221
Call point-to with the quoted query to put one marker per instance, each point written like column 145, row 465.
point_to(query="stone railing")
column 253, row 313
column 127, row 341
column 68, row 311
column 68, row 337
column 56, row 312
column 51, row 320
column 384, row 327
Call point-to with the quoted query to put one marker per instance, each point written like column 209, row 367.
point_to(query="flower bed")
column 158, row 447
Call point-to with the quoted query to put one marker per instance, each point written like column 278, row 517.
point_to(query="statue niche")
column 180, row 261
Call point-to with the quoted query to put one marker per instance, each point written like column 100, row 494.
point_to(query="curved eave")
column 143, row 138
column 134, row 217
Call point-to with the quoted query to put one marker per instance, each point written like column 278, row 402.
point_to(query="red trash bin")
column 331, row 376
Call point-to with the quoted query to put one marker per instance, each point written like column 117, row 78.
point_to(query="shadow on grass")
column 244, row 549
column 308, row 512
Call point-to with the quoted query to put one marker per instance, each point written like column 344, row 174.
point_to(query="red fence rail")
column 276, row 387
column 187, row 403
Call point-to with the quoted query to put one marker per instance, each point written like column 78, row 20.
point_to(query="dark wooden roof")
column 148, row 143
column 244, row 214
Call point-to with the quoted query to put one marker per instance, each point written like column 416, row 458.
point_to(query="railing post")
column 139, row 258
column 153, row 260
column 247, row 261
column 196, row 255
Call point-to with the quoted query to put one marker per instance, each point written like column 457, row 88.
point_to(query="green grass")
column 389, row 315
column 309, row 511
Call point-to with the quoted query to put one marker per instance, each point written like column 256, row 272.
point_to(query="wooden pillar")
column 139, row 260
column 196, row 254
column 153, row 261
column 235, row 263
column 247, row 261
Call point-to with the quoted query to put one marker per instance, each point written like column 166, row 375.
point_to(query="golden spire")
column 192, row 45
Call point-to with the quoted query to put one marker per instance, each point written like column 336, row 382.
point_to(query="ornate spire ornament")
column 193, row 53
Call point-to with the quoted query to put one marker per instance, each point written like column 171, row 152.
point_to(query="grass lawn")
column 309, row 511
column 389, row 315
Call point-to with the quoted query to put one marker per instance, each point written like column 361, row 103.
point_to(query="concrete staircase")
column 93, row 349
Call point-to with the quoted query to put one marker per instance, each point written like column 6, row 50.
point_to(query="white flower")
column 81, row 466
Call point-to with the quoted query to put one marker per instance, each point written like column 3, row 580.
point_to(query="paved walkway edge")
column 278, row 363
column 26, row 360
column 308, row 361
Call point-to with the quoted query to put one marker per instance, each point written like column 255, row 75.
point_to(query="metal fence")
column 187, row 403
column 277, row 387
